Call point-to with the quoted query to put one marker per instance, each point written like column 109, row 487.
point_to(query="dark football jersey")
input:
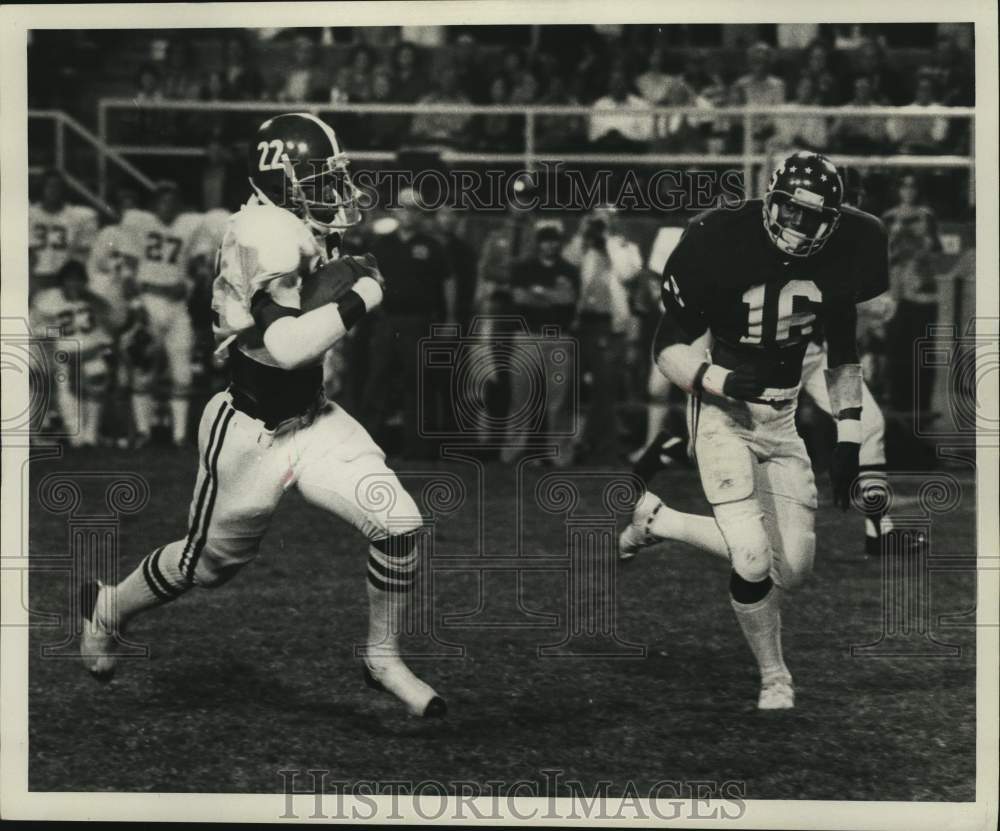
column 762, row 305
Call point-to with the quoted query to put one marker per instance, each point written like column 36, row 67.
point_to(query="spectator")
column 703, row 78
column 462, row 262
column 952, row 74
column 558, row 132
column 615, row 125
column 919, row 135
column 871, row 62
column 825, row 84
column 222, row 186
column 662, row 90
column 860, row 133
column 797, row 131
column 512, row 65
column 385, row 128
column 525, row 89
column 301, row 83
column 242, row 81
column 148, row 85
column 759, row 88
column 913, row 245
column 446, row 128
column 180, row 81
column 590, row 75
column 497, row 132
column 359, row 87
column 472, row 78
column 544, row 288
column 410, row 82
column 505, row 244
column 148, row 125
column 340, row 89
column 415, row 269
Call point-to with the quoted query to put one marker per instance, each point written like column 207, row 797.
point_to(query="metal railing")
column 750, row 116
column 63, row 124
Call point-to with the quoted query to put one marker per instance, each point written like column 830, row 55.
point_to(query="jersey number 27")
column 777, row 315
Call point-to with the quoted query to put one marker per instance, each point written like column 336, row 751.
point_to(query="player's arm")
column 295, row 338
column 844, row 382
column 680, row 348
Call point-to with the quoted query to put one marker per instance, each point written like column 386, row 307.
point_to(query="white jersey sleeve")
column 265, row 248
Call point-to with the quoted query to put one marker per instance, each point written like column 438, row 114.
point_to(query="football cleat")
column 637, row 534
column 96, row 639
column 393, row 676
column 777, row 694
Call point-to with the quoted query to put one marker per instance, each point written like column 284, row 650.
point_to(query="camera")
column 462, row 367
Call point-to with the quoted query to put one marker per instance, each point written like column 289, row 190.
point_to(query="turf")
column 260, row 675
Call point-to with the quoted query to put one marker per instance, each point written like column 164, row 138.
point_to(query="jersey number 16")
column 777, row 315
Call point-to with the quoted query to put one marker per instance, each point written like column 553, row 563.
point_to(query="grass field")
column 260, row 675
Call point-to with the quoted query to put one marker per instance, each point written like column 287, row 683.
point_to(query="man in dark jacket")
column 416, row 270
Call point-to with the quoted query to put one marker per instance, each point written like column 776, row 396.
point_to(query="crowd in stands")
column 631, row 69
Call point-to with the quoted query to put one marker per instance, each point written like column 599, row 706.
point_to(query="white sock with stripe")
column 392, row 565
column 155, row 581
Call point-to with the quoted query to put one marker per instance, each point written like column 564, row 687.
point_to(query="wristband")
column 714, row 379
column 369, row 290
column 352, row 308
column 849, row 430
column 699, row 377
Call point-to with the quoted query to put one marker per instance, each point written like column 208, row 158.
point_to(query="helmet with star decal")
column 802, row 204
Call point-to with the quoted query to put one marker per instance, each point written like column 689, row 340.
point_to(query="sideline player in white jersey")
column 162, row 238
column 751, row 284
column 281, row 299
column 58, row 232
column 79, row 321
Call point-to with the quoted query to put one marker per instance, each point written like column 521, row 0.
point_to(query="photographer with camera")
column 608, row 261
column 544, row 290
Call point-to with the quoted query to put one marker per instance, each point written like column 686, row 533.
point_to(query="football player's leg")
column 95, row 384
column 235, row 494
column 67, row 384
column 873, row 485
column 652, row 520
column 344, row 472
column 729, row 472
column 179, row 346
column 657, row 390
column 527, row 380
column 872, row 479
column 786, row 488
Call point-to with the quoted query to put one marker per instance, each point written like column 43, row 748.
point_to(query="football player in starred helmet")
column 802, row 205
column 281, row 298
column 743, row 304
column 297, row 163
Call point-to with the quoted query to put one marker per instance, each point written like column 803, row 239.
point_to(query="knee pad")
column 392, row 562
column 796, row 561
column 742, row 526
column 747, row 592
